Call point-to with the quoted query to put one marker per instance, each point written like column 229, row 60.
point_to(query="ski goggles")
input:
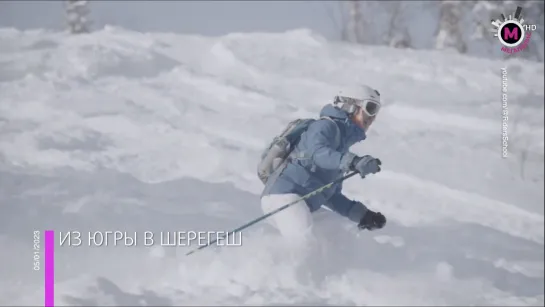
column 370, row 107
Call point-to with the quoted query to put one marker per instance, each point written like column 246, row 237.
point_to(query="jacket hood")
column 353, row 132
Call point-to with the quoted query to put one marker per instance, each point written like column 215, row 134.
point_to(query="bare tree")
column 77, row 12
column 449, row 35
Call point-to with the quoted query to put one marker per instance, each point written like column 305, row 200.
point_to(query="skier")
column 320, row 156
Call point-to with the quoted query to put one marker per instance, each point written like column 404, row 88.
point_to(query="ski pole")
column 325, row 187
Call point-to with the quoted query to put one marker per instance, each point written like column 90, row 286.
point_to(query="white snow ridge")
column 127, row 131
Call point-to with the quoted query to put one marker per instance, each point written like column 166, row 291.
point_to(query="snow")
column 126, row 131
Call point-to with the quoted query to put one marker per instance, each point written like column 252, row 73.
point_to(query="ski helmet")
column 359, row 96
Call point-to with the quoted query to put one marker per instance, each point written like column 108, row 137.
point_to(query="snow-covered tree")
column 449, row 35
column 462, row 26
column 355, row 22
column 77, row 12
column 359, row 23
column 397, row 33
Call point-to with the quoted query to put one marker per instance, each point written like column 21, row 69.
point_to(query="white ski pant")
column 294, row 222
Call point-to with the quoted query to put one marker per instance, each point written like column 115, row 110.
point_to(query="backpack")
column 278, row 151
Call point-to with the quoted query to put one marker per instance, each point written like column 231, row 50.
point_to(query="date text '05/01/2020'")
column 149, row 238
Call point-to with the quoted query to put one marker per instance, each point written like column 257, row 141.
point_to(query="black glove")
column 365, row 165
column 372, row 220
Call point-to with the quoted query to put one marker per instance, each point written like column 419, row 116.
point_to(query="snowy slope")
column 127, row 131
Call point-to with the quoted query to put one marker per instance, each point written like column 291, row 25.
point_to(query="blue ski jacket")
column 317, row 160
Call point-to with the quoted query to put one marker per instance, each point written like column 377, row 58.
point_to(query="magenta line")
column 49, row 268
